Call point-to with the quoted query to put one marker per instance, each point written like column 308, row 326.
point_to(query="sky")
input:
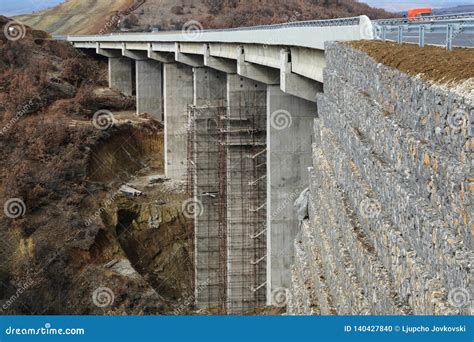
column 13, row 7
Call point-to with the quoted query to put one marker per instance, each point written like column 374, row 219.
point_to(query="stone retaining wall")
column 391, row 209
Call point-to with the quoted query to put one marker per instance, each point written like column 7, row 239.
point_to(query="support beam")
column 297, row 85
column 163, row 57
column 289, row 139
column 121, row 74
column 188, row 59
column 222, row 64
column 177, row 94
column 136, row 55
column 149, row 86
column 256, row 72
column 110, row 53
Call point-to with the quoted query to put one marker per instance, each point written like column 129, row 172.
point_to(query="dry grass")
column 90, row 16
column 431, row 62
column 76, row 16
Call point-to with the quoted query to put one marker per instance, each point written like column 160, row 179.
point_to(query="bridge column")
column 177, row 95
column 121, row 74
column 246, row 193
column 289, row 132
column 149, row 85
column 209, row 99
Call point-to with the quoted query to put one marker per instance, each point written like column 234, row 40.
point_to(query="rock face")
column 390, row 210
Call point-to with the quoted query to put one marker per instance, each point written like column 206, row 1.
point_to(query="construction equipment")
column 419, row 12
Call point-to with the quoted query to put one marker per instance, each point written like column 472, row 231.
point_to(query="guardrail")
column 59, row 37
column 309, row 23
column 451, row 26
column 424, row 19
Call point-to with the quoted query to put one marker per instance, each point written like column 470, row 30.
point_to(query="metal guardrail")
column 309, row 23
column 424, row 19
column 451, row 26
column 59, row 37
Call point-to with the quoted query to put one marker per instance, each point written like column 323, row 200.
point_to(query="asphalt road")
column 462, row 40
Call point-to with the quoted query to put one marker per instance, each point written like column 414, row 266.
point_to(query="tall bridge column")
column 246, row 194
column 210, row 266
column 177, row 95
column 149, row 85
column 121, row 74
column 289, row 132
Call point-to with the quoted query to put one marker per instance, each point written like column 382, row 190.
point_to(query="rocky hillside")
column 78, row 16
column 72, row 240
column 100, row 16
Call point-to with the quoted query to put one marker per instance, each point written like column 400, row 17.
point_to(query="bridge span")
column 238, row 107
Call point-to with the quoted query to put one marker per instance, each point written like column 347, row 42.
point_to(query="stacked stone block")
column 390, row 224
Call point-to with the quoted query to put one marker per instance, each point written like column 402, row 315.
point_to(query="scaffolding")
column 227, row 174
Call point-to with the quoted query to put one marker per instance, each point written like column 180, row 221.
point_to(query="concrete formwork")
column 204, row 168
column 210, row 247
column 246, row 194
column 289, row 139
column 121, row 74
column 177, row 94
column 149, row 84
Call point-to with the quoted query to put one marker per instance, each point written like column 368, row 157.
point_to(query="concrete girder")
column 133, row 54
column 263, row 55
column 294, row 84
column 308, row 62
column 229, row 51
column 163, row 47
column 111, row 53
column 188, row 59
column 222, row 64
column 110, row 45
column 163, row 57
column 136, row 46
column 256, row 72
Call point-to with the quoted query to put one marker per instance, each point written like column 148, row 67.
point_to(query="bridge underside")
column 238, row 122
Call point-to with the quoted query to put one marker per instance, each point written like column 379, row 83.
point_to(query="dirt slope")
column 90, row 16
column 76, row 16
column 70, row 242
column 457, row 65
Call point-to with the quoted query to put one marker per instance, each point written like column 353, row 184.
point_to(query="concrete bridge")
column 238, row 108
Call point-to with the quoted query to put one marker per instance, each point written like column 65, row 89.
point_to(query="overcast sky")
column 13, row 7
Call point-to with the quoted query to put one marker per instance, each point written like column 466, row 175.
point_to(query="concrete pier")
column 238, row 130
column 210, row 248
column 289, row 139
column 149, row 86
column 121, row 74
column 178, row 94
column 246, row 193
column 209, row 87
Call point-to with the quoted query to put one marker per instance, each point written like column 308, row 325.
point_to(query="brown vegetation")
column 234, row 13
column 53, row 255
column 80, row 17
column 430, row 62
